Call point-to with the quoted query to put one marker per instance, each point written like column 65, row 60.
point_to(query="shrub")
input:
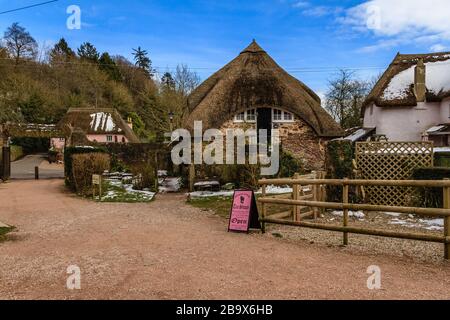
column 339, row 157
column 289, row 165
column 84, row 166
column 147, row 176
column 430, row 197
column 69, row 152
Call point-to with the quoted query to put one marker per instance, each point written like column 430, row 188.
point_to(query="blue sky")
column 310, row 39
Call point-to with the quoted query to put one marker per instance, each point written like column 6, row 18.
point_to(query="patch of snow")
column 399, row 85
column 169, row 184
column 433, row 224
column 437, row 80
column 438, row 76
column 435, row 128
column 271, row 189
column 162, row 173
column 393, row 214
column 441, row 149
column 356, row 214
column 210, row 194
column 102, row 121
column 206, row 183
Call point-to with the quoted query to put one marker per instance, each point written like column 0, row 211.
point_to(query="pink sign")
column 242, row 210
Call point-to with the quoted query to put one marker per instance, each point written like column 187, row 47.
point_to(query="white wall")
column 404, row 123
column 445, row 111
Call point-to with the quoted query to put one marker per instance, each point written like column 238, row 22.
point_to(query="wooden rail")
column 346, row 206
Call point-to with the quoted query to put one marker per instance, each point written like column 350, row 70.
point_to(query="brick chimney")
column 420, row 88
column 130, row 122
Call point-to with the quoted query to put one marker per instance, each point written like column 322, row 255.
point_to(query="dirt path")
column 169, row 250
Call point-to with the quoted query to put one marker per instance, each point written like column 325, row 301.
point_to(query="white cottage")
column 411, row 101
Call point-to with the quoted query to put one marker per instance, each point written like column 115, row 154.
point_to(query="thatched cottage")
column 98, row 125
column 411, row 101
column 253, row 90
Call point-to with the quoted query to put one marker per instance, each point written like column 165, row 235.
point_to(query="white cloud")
column 401, row 21
column 316, row 11
column 438, row 48
column 301, row 4
column 400, row 16
column 321, row 11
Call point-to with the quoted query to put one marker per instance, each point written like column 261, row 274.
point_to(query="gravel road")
column 169, row 250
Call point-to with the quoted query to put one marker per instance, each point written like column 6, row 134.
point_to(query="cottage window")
column 277, row 115
column 251, row 115
column 287, row 116
column 109, row 138
column 240, row 117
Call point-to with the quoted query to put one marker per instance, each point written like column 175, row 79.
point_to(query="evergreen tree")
column 88, row 51
column 142, row 61
column 167, row 81
column 61, row 51
column 108, row 65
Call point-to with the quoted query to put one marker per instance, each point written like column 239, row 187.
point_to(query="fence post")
column 263, row 208
column 345, row 212
column 295, row 188
column 36, row 173
column 446, row 222
column 191, row 177
column 314, row 194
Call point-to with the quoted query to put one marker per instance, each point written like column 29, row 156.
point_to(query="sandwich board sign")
column 244, row 212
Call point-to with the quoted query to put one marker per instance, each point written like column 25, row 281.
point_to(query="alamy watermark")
column 374, row 280
column 241, row 147
column 74, row 280
column 373, row 21
column 74, row 20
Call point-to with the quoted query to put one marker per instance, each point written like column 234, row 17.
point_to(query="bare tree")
column 345, row 97
column 19, row 43
column 185, row 79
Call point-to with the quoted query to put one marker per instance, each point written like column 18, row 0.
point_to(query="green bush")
column 339, row 157
column 289, row 165
column 147, row 176
column 430, row 197
column 84, row 166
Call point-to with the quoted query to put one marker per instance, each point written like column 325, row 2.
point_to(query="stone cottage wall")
column 297, row 138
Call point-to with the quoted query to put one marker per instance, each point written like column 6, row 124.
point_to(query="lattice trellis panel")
column 391, row 161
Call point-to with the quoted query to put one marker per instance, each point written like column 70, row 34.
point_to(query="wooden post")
column 100, row 188
column 263, row 209
column 295, row 188
column 446, row 222
column 36, row 173
column 314, row 194
column 345, row 214
column 191, row 177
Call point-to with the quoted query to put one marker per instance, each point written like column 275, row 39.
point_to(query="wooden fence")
column 391, row 161
column 320, row 203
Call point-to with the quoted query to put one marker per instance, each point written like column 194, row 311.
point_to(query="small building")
column 411, row 101
column 98, row 125
column 254, row 91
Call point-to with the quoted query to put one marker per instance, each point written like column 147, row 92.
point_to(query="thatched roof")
column 396, row 85
column 98, row 121
column 255, row 80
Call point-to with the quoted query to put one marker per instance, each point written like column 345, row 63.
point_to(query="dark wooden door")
column 264, row 121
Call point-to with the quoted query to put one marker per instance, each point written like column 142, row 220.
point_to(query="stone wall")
column 298, row 138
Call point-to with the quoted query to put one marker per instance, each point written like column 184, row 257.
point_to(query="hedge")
column 430, row 197
column 339, row 165
column 68, row 156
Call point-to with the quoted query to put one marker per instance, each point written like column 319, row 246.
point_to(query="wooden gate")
column 391, row 161
column 5, row 168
